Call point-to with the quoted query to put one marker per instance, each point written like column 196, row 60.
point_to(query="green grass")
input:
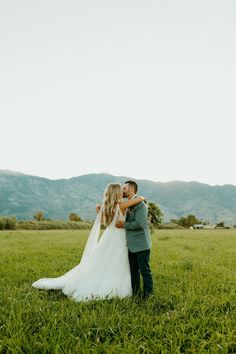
column 193, row 309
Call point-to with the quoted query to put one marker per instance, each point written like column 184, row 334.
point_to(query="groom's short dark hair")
column 133, row 184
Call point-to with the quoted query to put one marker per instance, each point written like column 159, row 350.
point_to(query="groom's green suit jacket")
column 137, row 229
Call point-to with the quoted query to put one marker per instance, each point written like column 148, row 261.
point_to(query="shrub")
column 8, row 223
column 155, row 215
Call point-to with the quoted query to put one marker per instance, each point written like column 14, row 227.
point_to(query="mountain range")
column 22, row 195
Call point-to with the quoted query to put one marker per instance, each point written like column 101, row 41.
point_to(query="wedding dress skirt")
column 103, row 272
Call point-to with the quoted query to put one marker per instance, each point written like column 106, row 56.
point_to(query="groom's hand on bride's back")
column 120, row 224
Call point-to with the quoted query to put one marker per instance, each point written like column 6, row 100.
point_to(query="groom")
column 138, row 240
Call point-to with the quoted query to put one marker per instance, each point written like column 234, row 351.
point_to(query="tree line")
column 40, row 222
column 74, row 222
column 39, row 216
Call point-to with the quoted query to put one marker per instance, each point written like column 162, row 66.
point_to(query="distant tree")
column 39, row 216
column 8, row 223
column 74, row 217
column 11, row 223
column 155, row 214
column 221, row 224
column 192, row 220
column 187, row 221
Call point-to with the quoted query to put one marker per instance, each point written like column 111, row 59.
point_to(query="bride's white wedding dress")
column 103, row 272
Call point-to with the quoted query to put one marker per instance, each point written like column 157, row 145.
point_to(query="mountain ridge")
column 22, row 195
column 6, row 171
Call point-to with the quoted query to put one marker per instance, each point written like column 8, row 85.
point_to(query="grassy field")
column 193, row 309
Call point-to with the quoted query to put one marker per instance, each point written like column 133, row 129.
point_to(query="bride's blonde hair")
column 112, row 196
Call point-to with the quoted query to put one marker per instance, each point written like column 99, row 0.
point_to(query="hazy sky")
column 141, row 88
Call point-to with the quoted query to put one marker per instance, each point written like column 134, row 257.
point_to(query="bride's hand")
column 98, row 207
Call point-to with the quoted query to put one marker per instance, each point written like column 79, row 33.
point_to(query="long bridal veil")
column 93, row 238
column 91, row 244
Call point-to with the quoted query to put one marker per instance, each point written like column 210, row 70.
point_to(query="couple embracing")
column 113, row 261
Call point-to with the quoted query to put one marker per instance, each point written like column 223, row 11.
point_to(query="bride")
column 103, row 271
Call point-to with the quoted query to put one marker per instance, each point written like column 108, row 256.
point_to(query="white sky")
column 140, row 88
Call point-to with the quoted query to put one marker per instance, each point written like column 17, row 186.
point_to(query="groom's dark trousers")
column 139, row 263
